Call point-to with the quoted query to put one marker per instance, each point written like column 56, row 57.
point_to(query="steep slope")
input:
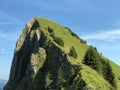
column 49, row 56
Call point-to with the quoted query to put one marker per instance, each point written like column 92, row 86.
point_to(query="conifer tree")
column 73, row 52
column 91, row 58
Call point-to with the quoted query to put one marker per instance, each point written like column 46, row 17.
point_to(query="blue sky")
column 96, row 21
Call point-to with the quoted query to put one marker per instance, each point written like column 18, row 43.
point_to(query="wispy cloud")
column 9, row 23
column 2, row 35
column 109, row 36
column 116, row 23
column 64, row 5
column 9, row 33
column 9, row 36
column 38, row 3
column 4, row 51
column 6, row 19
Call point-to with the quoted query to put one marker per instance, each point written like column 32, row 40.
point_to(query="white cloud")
column 109, row 36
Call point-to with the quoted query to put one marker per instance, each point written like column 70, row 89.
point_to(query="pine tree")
column 73, row 52
column 95, row 61
column 109, row 75
column 91, row 58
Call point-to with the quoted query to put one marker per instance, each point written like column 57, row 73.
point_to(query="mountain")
column 2, row 83
column 49, row 56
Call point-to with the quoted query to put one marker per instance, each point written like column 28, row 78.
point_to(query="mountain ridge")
column 50, row 55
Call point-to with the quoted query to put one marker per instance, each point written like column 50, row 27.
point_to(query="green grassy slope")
column 91, row 77
column 66, row 36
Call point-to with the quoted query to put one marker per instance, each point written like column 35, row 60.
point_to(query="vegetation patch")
column 83, row 41
column 58, row 40
column 73, row 52
column 72, row 33
column 50, row 30
column 119, row 78
column 95, row 61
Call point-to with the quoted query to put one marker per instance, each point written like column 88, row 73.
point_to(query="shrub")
column 73, row 52
column 72, row 33
column 67, row 28
column 52, row 34
column 83, row 41
column 95, row 48
column 50, row 30
column 119, row 78
column 59, row 41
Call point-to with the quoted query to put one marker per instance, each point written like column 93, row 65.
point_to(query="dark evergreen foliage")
column 75, row 35
column 72, row 33
column 83, row 41
column 59, row 41
column 73, row 52
column 95, row 61
column 119, row 78
column 50, row 30
column 52, row 34
column 109, row 75
column 91, row 58
column 95, row 48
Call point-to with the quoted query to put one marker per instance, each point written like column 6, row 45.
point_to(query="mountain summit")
column 49, row 56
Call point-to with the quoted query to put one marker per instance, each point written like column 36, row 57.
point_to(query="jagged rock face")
column 39, row 64
column 28, row 48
